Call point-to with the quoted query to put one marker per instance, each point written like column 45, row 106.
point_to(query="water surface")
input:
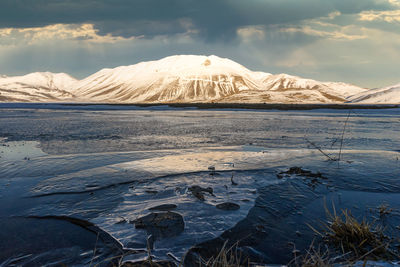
column 108, row 167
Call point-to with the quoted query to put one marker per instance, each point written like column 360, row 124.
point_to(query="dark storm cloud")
column 213, row 19
column 319, row 39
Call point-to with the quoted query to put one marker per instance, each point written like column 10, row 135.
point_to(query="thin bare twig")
column 341, row 140
column 320, row 150
column 94, row 250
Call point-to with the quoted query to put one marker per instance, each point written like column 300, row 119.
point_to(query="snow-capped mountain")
column 172, row 79
column 204, row 79
column 37, row 87
column 185, row 79
column 386, row 95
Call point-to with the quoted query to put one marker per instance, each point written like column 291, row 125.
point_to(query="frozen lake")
column 73, row 180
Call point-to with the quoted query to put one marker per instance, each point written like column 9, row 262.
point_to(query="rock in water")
column 148, row 263
column 301, row 172
column 199, row 191
column 164, row 207
column 151, row 191
column 161, row 224
column 228, row 206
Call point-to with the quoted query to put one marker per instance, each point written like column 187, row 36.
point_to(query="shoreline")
column 256, row 106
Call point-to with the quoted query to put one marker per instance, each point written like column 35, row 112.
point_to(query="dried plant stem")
column 320, row 150
column 341, row 139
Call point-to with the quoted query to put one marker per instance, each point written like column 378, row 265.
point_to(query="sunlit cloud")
column 331, row 40
column 78, row 32
column 333, row 15
column 340, row 34
column 387, row 16
column 395, row 2
column 250, row 33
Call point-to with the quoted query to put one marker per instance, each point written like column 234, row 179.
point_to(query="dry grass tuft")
column 359, row 240
column 227, row 257
column 315, row 257
column 312, row 258
column 384, row 210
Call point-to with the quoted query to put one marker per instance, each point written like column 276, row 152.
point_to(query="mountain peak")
column 184, row 64
column 174, row 78
column 199, row 78
column 183, row 78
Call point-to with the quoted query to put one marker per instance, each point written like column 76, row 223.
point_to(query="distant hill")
column 186, row 79
column 37, row 87
column 386, row 95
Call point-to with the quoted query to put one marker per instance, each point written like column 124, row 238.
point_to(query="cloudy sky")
column 356, row 41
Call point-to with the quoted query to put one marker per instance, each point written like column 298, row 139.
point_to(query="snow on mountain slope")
column 285, row 97
column 204, row 79
column 172, row 79
column 189, row 78
column 184, row 78
column 284, row 82
column 37, row 87
column 386, row 95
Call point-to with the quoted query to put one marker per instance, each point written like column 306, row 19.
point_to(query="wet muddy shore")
column 101, row 187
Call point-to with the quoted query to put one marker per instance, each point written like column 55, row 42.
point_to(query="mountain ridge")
column 36, row 87
column 385, row 95
column 203, row 79
column 182, row 79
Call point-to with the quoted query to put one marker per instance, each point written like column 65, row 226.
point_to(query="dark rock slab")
column 44, row 240
column 161, row 224
column 228, row 206
column 301, row 172
column 164, row 207
column 199, row 191
column 148, row 263
column 151, row 192
column 313, row 179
